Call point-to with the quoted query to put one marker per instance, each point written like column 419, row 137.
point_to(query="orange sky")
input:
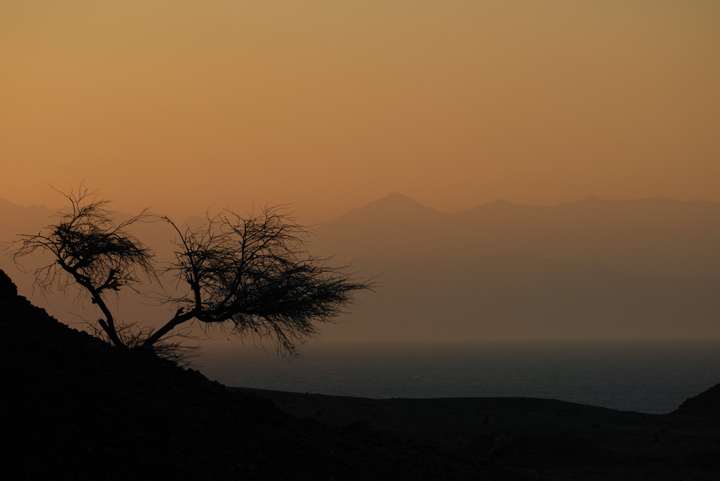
column 328, row 104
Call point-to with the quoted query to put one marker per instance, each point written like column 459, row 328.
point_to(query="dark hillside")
column 705, row 405
column 546, row 438
column 81, row 410
column 75, row 409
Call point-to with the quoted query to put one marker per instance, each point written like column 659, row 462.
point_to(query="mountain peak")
column 397, row 199
column 394, row 207
column 397, row 205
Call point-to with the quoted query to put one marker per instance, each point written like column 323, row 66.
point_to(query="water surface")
column 653, row 377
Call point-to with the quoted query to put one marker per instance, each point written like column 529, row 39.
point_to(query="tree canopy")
column 250, row 272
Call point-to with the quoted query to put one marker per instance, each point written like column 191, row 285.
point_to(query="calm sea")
column 644, row 377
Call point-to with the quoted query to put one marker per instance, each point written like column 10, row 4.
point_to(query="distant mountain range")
column 634, row 269
column 589, row 269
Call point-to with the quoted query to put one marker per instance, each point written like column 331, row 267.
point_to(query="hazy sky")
column 326, row 104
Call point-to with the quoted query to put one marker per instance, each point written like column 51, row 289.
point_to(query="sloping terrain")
column 76, row 409
column 541, row 438
column 705, row 406
column 80, row 410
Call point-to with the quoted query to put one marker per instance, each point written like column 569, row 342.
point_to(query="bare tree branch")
column 250, row 272
column 97, row 253
column 254, row 273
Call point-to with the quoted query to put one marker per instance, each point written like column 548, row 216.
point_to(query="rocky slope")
column 81, row 410
column 75, row 409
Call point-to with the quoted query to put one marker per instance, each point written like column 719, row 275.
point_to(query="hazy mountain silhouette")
column 16, row 218
column 390, row 209
column 588, row 269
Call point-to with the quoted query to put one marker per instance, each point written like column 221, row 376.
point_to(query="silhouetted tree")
column 251, row 272
column 98, row 254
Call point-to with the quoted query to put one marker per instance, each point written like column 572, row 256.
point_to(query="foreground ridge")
column 84, row 410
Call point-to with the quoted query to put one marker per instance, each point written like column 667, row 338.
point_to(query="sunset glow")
column 185, row 104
